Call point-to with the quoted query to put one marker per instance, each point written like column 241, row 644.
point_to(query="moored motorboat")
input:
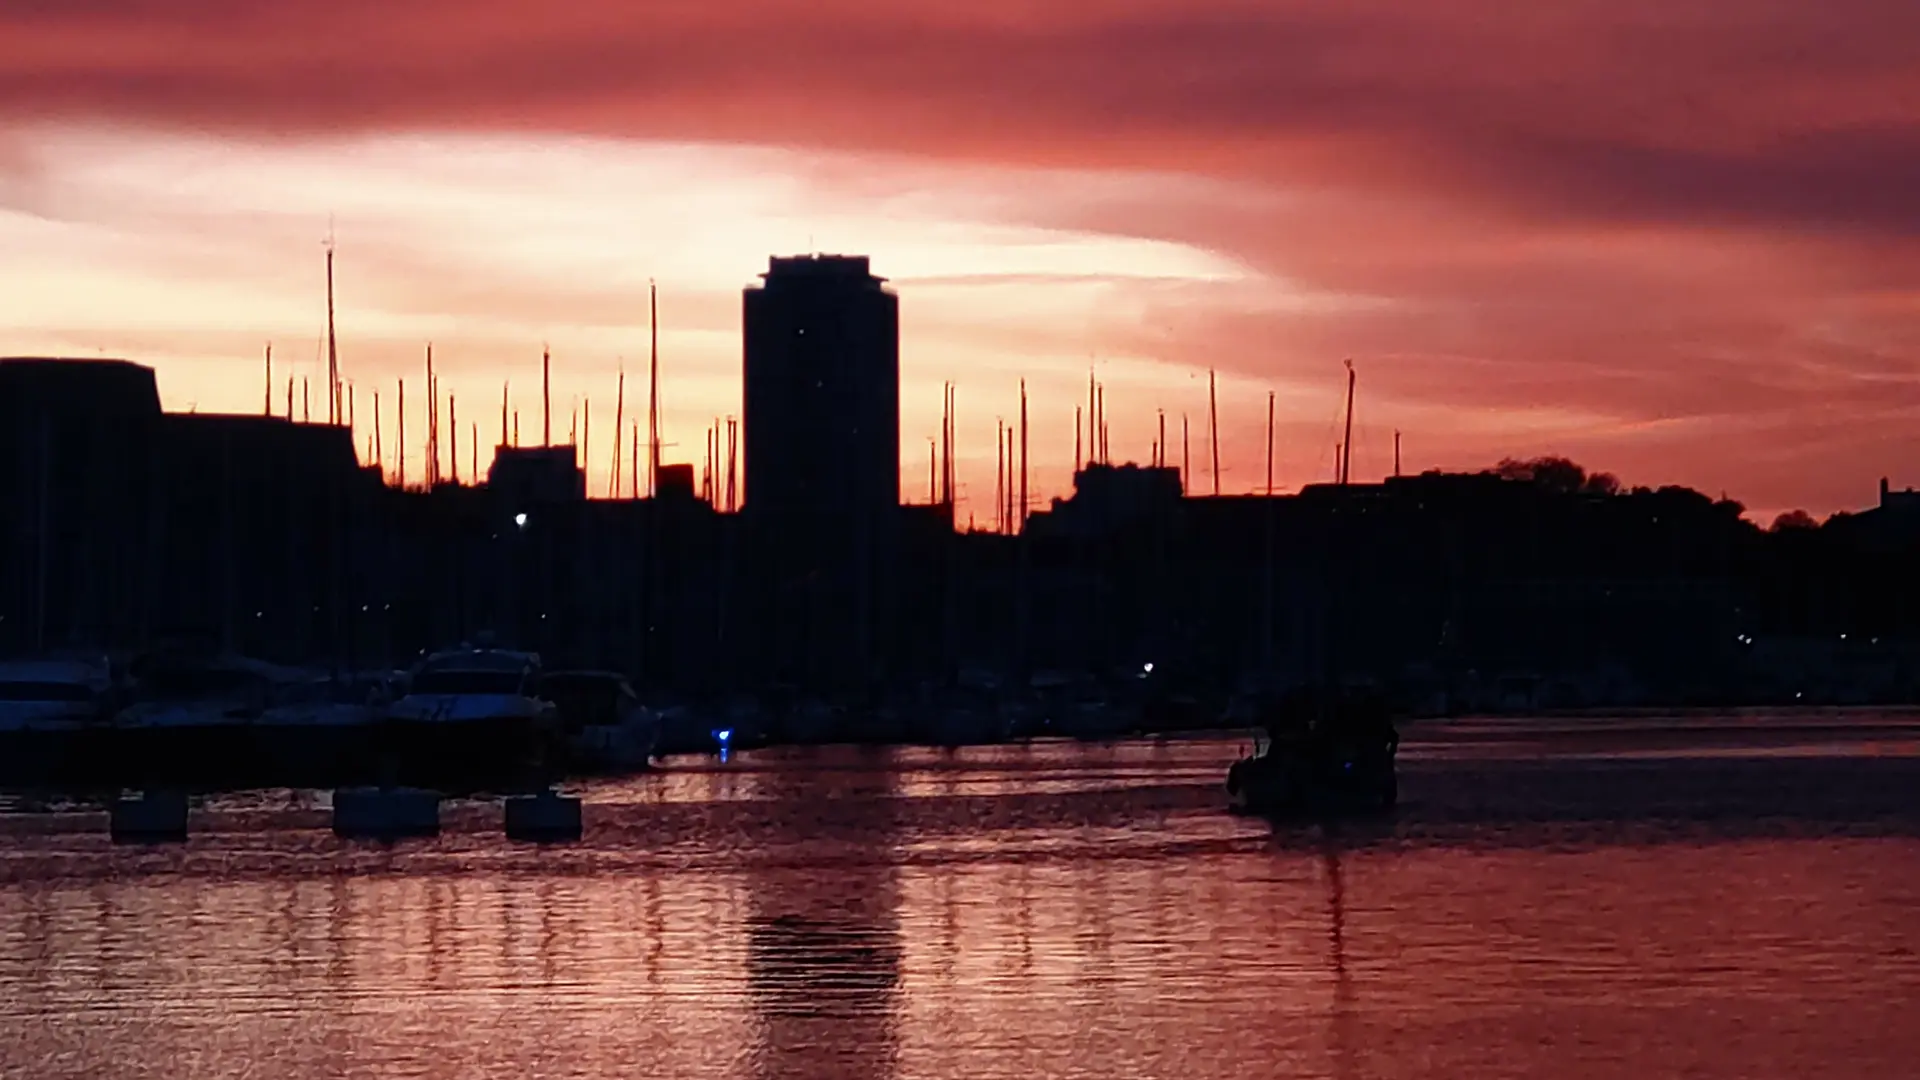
column 607, row 728
column 48, row 711
column 470, row 718
column 811, row 722
column 318, row 731
column 968, row 716
column 191, row 720
column 1323, row 753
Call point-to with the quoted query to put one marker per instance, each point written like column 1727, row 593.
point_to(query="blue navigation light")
column 725, row 735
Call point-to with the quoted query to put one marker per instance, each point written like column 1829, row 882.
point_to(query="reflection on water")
column 823, row 952
column 922, row 914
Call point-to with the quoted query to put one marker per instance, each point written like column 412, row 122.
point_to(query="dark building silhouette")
column 537, row 475
column 821, row 435
column 124, row 528
column 79, row 469
column 138, row 525
column 822, row 388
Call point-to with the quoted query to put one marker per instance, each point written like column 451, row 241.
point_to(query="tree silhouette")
column 1557, row 474
column 1602, row 483
column 1794, row 519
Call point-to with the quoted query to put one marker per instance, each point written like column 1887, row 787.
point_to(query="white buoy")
column 385, row 813
column 153, row 817
column 546, row 817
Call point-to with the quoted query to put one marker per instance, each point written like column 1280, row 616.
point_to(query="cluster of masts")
column 719, row 480
column 442, row 442
column 1091, row 447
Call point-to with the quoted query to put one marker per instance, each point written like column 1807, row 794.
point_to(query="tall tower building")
column 821, row 435
column 822, row 379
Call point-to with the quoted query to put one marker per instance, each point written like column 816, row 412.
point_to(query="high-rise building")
column 822, row 382
column 821, row 435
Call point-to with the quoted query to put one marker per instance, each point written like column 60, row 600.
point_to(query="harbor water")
column 1711, row 898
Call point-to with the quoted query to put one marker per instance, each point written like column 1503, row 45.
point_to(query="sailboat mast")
column 379, row 450
column 333, row 353
column 1266, row 559
column 713, row 463
column 1186, row 451
column 266, row 409
column 433, row 422
column 1093, row 419
column 1008, row 509
column 1269, row 444
column 619, row 426
column 1077, row 423
column 546, row 396
column 453, row 440
column 1022, row 516
column 1000, row 475
column 653, row 388
column 1346, row 443
column 402, row 447
column 1213, row 428
column 1100, row 417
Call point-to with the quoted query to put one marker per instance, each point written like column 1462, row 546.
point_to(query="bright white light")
column 520, row 520
column 1149, row 668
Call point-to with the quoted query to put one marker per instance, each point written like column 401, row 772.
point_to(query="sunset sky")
column 1675, row 239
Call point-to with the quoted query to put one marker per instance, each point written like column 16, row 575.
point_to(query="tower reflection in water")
column 824, row 950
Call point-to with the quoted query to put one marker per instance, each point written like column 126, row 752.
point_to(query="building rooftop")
column 817, row 267
column 98, row 387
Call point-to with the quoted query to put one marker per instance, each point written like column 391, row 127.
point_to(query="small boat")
column 810, row 722
column 48, row 710
column 1087, row 708
column 471, row 718
column 318, row 731
column 968, row 717
column 1322, row 754
column 607, row 729
column 191, row 720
